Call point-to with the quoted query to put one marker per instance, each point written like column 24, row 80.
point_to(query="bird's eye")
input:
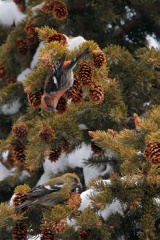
column 76, row 180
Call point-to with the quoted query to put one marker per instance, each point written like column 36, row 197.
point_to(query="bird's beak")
column 54, row 109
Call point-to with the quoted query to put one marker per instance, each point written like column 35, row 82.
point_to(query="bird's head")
column 72, row 180
column 47, row 103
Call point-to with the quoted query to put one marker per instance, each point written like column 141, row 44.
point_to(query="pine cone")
column 47, row 134
column 19, row 232
column 20, row 4
column 65, row 145
column 47, row 233
column 29, row 27
column 18, row 152
column 85, row 73
column 2, row 71
column 60, row 226
column 60, row 10
column 20, row 131
column 35, row 98
column 96, row 94
column 99, row 58
column 78, row 98
column 48, row 7
column 59, row 37
column 152, row 152
column 20, row 197
column 11, row 80
column 10, row 160
column 97, row 150
column 55, row 154
column 62, row 106
column 84, row 233
column 22, row 47
column 77, row 86
column 75, row 200
column 30, row 31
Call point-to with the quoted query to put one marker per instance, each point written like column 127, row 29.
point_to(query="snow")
column 4, row 172
column 35, row 57
column 153, row 42
column 51, row 168
column 85, row 201
column 5, row 155
column 90, row 173
column 9, row 13
column 76, row 158
column 9, row 109
column 83, row 126
column 37, row 7
column 21, row 77
column 73, row 160
column 75, row 42
column 24, row 175
column 108, row 169
column 115, row 206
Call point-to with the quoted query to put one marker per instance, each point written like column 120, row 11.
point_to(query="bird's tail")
column 23, row 205
column 75, row 60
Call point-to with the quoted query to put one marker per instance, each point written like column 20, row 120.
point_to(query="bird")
column 52, row 192
column 59, row 81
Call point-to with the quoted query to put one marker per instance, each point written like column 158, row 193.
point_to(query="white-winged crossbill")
column 54, row 191
column 59, row 81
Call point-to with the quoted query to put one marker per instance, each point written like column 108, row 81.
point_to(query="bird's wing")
column 52, row 81
column 45, row 189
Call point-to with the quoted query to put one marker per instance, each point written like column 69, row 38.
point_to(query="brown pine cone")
column 29, row 27
column 65, row 145
column 19, row 231
column 18, row 152
column 96, row 94
column 99, row 58
column 20, row 197
column 55, row 154
column 76, row 87
column 59, row 37
column 20, row 131
column 10, row 160
column 84, row 233
column 35, row 98
column 22, row 46
column 30, row 31
column 47, row 134
column 85, row 73
column 2, row 71
column 78, row 98
column 62, row 106
column 74, row 200
column 11, row 80
column 152, row 152
column 59, row 226
column 47, row 233
column 60, row 10
column 48, row 7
